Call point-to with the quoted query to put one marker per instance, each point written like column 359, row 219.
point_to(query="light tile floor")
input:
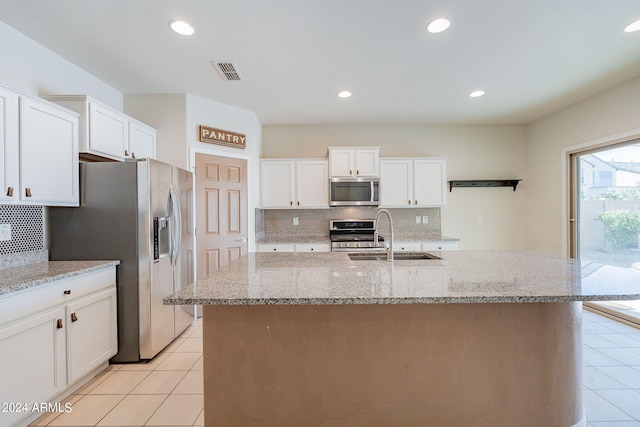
column 168, row 391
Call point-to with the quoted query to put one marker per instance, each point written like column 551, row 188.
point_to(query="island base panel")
column 390, row 365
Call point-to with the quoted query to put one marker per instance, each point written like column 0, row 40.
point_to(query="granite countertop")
column 400, row 236
column 459, row 277
column 21, row 277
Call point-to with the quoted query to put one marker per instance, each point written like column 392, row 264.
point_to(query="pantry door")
column 221, row 212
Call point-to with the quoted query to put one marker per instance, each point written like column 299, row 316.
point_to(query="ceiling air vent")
column 228, row 70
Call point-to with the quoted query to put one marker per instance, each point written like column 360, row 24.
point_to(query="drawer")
column 23, row 303
column 407, row 247
column 439, row 245
column 274, row 247
column 313, row 247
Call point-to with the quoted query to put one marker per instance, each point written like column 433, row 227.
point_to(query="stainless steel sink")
column 397, row 256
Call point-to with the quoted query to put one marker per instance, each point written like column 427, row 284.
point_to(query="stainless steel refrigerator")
column 138, row 212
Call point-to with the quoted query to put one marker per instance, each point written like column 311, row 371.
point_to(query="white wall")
column 32, row 68
column 472, row 152
column 611, row 115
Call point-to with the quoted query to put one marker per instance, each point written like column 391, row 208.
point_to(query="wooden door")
column 221, row 212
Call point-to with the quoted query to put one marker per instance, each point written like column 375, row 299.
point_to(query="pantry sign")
column 222, row 137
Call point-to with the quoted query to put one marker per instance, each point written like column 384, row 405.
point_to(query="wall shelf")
column 484, row 183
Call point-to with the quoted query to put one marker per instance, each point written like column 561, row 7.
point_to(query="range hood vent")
column 484, row 183
column 228, row 70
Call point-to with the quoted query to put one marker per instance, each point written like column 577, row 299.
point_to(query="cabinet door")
column 9, row 146
column 277, row 188
column 312, row 184
column 341, row 162
column 142, row 141
column 396, row 183
column 367, row 162
column 91, row 333
column 108, row 131
column 33, row 361
column 429, row 182
column 48, row 154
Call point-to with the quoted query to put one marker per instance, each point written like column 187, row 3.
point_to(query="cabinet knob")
column 415, row 202
column 350, row 172
column 10, row 191
column 59, row 324
column 298, row 203
column 27, row 192
column 409, row 201
column 67, row 292
column 74, row 318
column 133, row 155
column 357, row 172
column 274, row 249
column 126, row 152
column 291, row 203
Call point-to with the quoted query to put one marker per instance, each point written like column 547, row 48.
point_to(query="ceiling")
column 532, row 57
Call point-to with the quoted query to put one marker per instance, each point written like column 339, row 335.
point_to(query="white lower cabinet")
column 33, row 367
column 293, row 247
column 432, row 245
column 51, row 337
column 274, row 247
column 92, row 334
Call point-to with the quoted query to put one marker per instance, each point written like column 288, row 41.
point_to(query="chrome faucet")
column 375, row 233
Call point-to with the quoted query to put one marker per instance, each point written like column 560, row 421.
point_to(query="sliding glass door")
column 605, row 215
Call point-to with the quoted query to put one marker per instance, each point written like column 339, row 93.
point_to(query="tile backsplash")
column 316, row 221
column 27, row 228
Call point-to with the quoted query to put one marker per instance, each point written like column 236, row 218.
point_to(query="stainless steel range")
column 353, row 235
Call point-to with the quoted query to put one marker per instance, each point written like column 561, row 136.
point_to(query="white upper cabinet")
column 312, row 184
column 142, row 140
column 412, row 182
column 294, row 183
column 9, row 145
column 48, row 154
column 38, row 151
column 106, row 133
column 354, row 162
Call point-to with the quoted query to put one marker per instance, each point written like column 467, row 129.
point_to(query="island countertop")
column 458, row 277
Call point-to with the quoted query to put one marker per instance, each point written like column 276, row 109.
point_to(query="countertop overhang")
column 459, row 277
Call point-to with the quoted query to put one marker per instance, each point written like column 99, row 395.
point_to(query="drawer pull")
column 59, row 324
column 74, row 318
column 10, row 191
column 67, row 292
column 27, row 192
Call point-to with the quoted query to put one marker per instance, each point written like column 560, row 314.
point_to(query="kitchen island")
column 477, row 338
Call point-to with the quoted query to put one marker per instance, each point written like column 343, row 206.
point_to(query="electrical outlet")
column 425, row 219
column 417, row 219
column 5, row 232
column 295, row 220
column 480, row 219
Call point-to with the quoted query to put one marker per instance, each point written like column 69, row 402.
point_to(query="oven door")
column 354, row 192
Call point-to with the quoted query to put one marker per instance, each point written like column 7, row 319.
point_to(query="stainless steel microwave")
column 354, row 192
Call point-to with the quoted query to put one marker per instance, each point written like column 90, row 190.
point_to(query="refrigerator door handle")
column 176, row 236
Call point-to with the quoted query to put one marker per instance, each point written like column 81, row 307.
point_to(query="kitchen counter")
column 478, row 338
column 13, row 279
column 459, row 277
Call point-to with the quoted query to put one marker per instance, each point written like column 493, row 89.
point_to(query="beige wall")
column 611, row 115
column 472, row 152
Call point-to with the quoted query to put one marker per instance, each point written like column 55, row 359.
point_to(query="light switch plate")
column 425, row 219
column 417, row 219
column 5, row 232
column 295, row 220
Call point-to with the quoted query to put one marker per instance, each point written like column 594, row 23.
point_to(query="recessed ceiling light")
column 634, row 26
column 438, row 25
column 344, row 94
column 181, row 27
column 476, row 93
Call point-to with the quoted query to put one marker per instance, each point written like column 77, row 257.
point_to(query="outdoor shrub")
column 620, row 227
